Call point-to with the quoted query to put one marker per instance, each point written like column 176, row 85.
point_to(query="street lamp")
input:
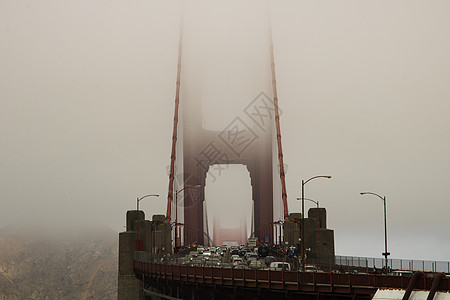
column 139, row 246
column 386, row 253
column 176, row 208
column 316, row 202
column 303, row 215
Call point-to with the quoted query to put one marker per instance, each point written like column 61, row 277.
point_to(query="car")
column 240, row 266
column 402, row 273
column 251, row 256
column 193, row 253
column 269, row 259
column 310, row 268
column 255, row 264
column 197, row 262
column 213, row 262
column 234, row 251
column 235, row 256
column 184, row 260
column 279, row 266
column 238, row 261
column 200, row 250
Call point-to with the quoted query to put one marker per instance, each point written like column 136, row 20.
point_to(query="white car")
column 310, row 268
column 279, row 266
column 238, row 261
column 255, row 264
column 251, row 256
column 234, row 257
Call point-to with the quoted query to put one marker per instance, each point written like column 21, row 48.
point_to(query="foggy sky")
column 87, row 96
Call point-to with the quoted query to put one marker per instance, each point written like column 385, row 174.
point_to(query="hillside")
column 74, row 263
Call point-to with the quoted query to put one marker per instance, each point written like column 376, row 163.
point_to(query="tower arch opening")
column 228, row 203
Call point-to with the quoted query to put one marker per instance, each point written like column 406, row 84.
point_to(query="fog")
column 87, row 98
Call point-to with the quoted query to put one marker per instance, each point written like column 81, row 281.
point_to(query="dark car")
column 269, row 259
column 234, row 251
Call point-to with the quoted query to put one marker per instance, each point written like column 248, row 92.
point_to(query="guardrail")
column 341, row 263
column 394, row 264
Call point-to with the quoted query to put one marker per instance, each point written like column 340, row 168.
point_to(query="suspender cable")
column 175, row 128
column 277, row 123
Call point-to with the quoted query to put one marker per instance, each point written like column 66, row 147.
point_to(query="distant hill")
column 69, row 263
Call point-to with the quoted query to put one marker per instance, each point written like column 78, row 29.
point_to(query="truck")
column 252, row 242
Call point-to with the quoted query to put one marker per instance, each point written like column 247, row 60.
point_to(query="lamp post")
column 318, row 232
column 139, row 245
column 176, row 208
column 303, row 214
column 386, row 253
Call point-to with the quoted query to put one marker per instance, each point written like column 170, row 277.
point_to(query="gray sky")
column 86, row 110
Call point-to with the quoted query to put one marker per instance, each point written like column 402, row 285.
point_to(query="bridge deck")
column 317, row 282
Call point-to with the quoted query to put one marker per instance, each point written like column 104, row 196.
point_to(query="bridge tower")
column 204, row 148
column 251, row 138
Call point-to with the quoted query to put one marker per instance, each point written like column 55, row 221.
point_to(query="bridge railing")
column 341, row 263
column 284, row 280
column 394, row 264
